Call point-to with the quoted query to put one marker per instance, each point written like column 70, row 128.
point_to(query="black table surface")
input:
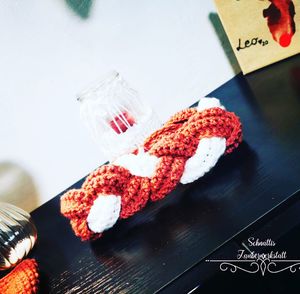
column 282, row 226
column 148, row 251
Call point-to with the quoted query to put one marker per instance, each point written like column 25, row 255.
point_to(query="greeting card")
column 261, row 32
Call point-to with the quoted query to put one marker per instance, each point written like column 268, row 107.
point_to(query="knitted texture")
column 23, row 279
column 173, row 144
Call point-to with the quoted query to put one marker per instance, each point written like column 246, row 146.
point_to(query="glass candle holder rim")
column 90, row 91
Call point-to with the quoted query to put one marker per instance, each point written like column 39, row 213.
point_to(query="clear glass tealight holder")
column 115, row 116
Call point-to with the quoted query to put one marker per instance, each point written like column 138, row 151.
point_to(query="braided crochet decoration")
column 23, row 279
column 183, row 150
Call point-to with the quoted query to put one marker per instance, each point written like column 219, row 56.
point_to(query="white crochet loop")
column 106, row 209
column 208, row 152
column 104, row 213
column 143, row 164
column 206, row 103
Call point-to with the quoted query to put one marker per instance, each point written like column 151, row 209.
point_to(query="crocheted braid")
column 23, row 279
column 173, row 154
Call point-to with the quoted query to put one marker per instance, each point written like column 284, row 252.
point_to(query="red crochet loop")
column 173, row 144
column 23, row 279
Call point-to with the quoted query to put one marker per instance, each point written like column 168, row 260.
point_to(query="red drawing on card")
column 280, row 16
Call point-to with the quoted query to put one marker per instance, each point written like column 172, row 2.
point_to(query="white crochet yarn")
column 206, row 103
column 104, row 213
column 105, row 210
column 143, row 164
column 207, row 154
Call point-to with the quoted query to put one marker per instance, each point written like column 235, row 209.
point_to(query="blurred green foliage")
column 81, row 7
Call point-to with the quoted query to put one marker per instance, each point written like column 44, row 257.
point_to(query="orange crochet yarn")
column 173, row 145
column 23, row 279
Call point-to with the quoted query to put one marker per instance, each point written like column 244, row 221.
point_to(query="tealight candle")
column 121, row 123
